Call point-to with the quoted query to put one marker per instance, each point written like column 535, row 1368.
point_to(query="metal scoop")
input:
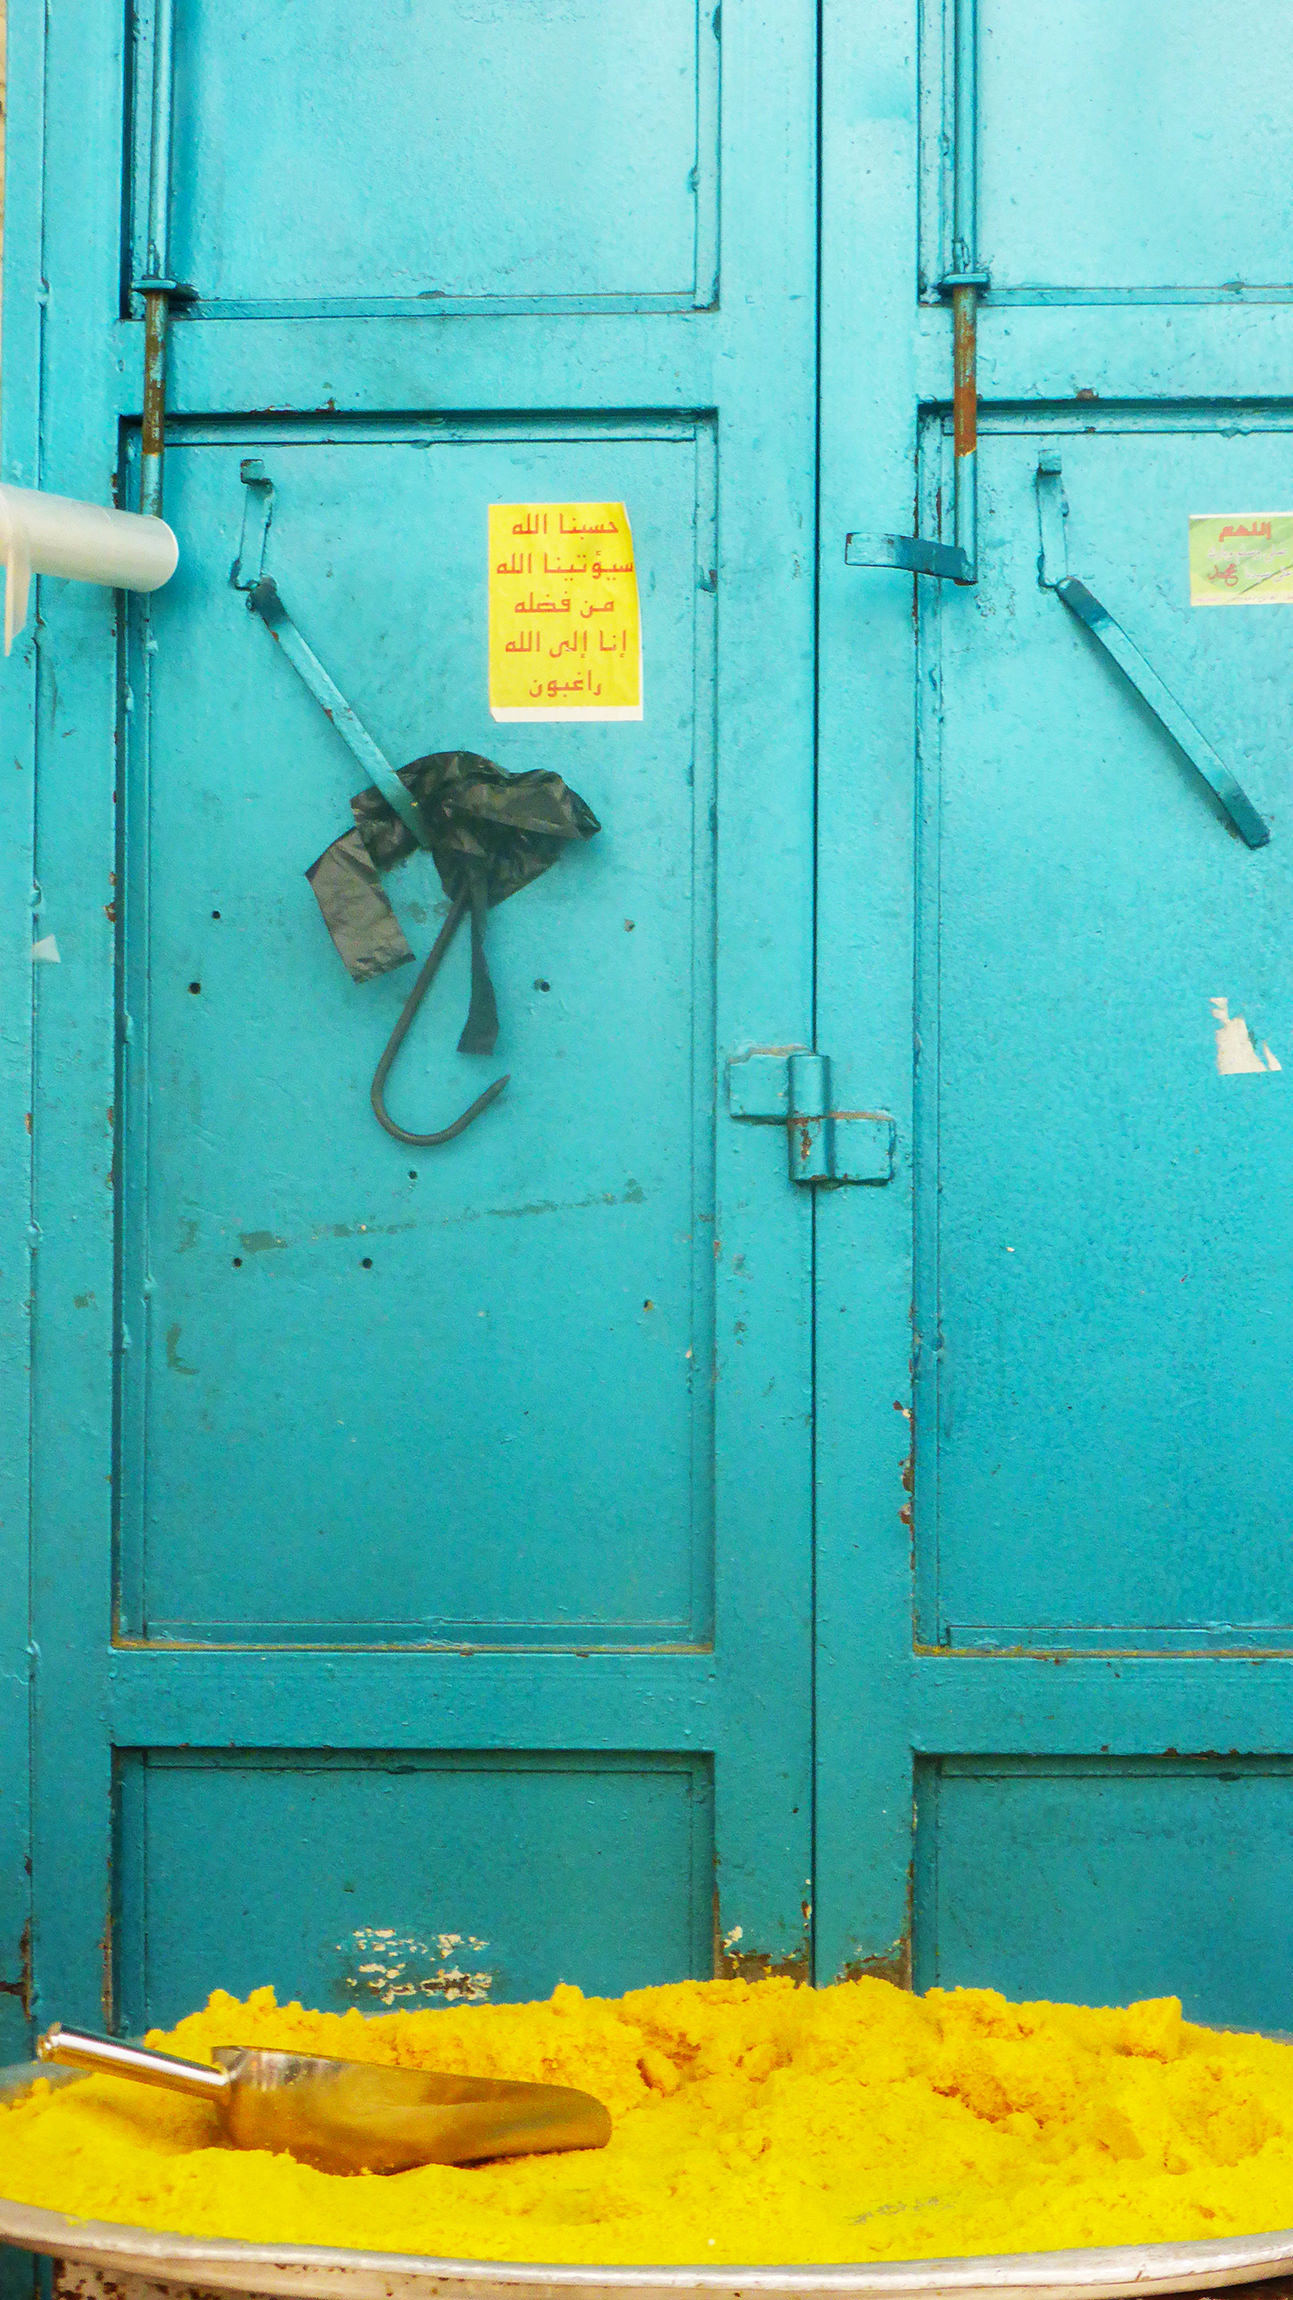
column 347, row 2116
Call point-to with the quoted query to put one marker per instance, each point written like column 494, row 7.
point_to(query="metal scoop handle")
column 76, row 2048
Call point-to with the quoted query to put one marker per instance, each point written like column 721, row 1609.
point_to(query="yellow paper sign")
column 565, row 638
column 1241, row 559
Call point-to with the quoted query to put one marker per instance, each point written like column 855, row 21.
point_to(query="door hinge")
column 791, row 1087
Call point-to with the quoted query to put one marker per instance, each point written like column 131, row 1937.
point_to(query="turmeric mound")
column 754, row 2123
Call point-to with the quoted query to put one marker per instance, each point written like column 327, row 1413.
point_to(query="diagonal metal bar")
column 274, row 615
column 1053, row 575
column 1179, row 725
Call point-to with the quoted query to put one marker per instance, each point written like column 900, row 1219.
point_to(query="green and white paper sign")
column 1241, row 559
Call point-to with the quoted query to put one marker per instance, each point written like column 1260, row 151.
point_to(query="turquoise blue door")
column 642, row 1535
column 422, row 1592
column 1054, row 1469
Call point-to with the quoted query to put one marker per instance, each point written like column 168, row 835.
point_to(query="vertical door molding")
column 21, row 924
column 866, row 738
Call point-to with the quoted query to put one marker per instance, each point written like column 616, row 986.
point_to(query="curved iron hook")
column 400, row 1032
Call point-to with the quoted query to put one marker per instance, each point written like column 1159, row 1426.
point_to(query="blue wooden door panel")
column 464, row 153
column 1118, row 147
column 396, row 1883
column 1103, row 1428
column 596, row 1581
column 1085, row 1259
column 385, row 1393
column 1101, row 1883
column 61, row 436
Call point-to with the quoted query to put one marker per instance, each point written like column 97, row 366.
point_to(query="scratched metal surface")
column 100, row 2262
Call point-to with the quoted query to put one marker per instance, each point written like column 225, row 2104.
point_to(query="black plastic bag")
column 489, row 833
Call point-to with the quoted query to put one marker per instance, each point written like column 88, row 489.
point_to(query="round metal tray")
column 1100, row 2272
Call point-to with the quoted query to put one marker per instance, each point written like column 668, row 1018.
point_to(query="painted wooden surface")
column 1042, row 1563
column 392, row 1885
column 587, row 141
column 423, row 1542
column 433, row 1525
column 457, row 1351
column 1113, row 1286
column 18, row 799
column 1149, row 1866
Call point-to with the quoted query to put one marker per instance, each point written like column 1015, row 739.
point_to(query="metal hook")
column 398, row 1035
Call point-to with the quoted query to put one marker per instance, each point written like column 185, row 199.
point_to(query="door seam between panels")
column 810, row 1923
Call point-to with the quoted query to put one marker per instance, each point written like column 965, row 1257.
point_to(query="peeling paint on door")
column 399, row 1969
column 1237, row 1050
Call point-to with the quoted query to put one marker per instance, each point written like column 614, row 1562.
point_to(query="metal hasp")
column 157, row 288
column 958, row 561
column 248, row 576
column 1053, row 575
column 913, row 554
column 791, row 1087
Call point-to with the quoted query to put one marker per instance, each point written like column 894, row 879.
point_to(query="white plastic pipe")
column 55, row 535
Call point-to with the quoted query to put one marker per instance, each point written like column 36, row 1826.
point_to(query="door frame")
column 890, row 1711
column 72, row 403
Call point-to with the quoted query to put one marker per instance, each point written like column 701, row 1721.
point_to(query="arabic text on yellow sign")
column 1241, row 558
column 565, row 638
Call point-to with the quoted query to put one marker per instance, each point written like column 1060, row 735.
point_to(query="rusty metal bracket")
column 158, row 299
column 1053, row 575
column 157, row 287
column 965, row 283
column 791, row 1087
column 957, row 561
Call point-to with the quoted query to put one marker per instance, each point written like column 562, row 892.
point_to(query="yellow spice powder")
column 753, row 2123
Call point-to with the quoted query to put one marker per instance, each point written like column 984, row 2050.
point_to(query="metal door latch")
column 791, row 1087
column 958, row 561
column 1053, row 575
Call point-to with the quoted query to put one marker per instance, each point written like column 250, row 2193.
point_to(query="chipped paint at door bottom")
column 396, row 1969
